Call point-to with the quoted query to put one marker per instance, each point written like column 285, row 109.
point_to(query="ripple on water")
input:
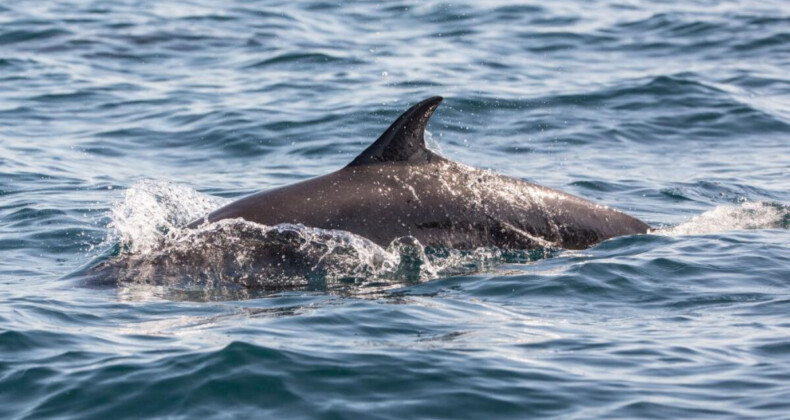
column 117, row 119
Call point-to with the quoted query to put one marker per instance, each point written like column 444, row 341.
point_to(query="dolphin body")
column 398, row 188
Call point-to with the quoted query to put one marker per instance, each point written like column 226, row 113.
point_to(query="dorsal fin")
column 403, row 141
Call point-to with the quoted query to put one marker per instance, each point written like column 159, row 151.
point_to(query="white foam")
column 750, row 215
column 151, row 209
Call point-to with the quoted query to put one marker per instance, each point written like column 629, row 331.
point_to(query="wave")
column 19, row 36
column 288, row 59
column 663, row 105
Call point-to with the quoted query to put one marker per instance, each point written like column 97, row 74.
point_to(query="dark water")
column 120, row 118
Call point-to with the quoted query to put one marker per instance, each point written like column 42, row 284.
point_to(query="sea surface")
column 120, row 121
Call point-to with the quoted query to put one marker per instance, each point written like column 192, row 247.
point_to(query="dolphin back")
column 397, row 188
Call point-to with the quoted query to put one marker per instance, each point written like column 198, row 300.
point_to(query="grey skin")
column 398, row 188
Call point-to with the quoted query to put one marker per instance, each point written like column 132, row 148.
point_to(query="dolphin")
column 399, row 188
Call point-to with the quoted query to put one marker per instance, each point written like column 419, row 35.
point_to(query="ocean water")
column 120, row 121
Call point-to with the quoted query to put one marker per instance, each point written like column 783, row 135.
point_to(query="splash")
column 237, row 252
column 432, row 143
column 150, row 209
column 750, row 215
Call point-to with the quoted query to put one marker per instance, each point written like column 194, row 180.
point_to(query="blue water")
column 120, row 119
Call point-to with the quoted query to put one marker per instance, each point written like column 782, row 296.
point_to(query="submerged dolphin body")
column 398, row 188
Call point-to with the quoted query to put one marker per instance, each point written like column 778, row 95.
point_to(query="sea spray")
column 749, row 215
